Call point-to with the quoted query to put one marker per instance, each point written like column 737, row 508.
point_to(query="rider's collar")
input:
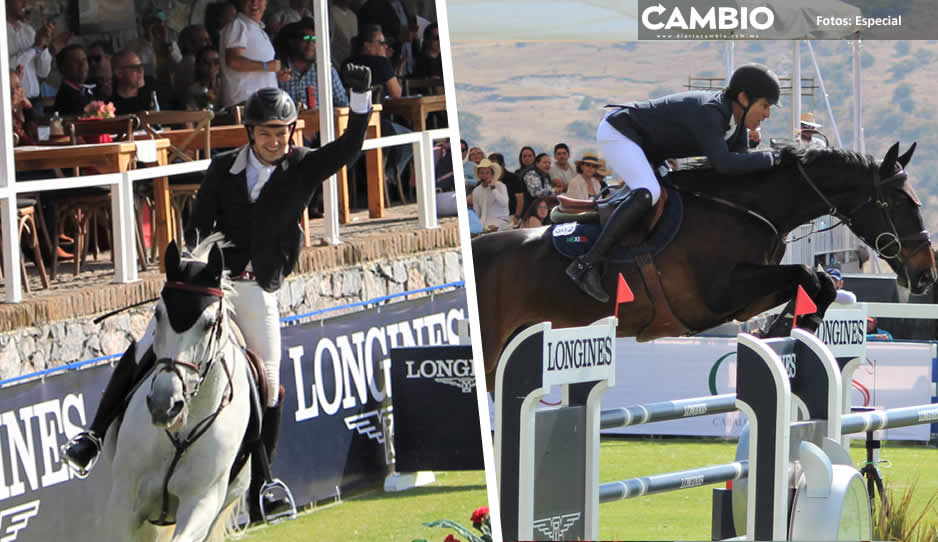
column 244, row 158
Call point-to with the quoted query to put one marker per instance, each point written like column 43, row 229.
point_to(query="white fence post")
column 11, row 249
column 426, row 183
column 123, row 225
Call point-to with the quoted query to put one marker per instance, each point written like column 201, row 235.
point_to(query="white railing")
column 122, row 204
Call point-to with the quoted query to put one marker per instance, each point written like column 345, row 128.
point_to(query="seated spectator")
column 537, row 181
column 537, row 215
column 561, row 172
column 443, row 167
column 525, row 159
column 23, row 129
column 515, row 188
column 844, row 297
column 277, row 19
column 810, row 133
column 247, row 55
column 157, row 52
column 874, row 333
column 343, row 26
column 205, row 90
column 217, row 16
column 490, row 197
column 370, row 47
column 73, row 94
column 100, row 69
column 429, row 62
column 132, row 91
column 192, row 39
column 470, row 161
column 585, row 185
column 299, row 58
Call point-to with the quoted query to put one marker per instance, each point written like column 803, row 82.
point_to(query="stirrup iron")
column 276, row 489
column 80, row 471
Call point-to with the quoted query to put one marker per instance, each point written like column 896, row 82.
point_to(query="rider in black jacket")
column 638, row 136
column 255, row 196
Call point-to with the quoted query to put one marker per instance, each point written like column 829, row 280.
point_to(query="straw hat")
column 486, row 163
column 590, row 158
column 603, row 170
column 808, row 121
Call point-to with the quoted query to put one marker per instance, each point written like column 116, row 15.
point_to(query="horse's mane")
column 817, row 159
column 199, row 253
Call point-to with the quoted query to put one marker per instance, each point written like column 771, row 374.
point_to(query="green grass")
column 386, row 517
column 685, row 515
column 679, row 515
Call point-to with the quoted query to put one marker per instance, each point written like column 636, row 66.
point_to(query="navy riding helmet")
column 757, row 81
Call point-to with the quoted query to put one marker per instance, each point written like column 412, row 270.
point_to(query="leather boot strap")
column 663, row 321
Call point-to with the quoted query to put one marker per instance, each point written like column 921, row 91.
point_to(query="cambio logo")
column 715, row 18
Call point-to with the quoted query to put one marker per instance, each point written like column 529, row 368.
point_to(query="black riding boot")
column 583, row 270
column 263, row 484
column 81, row 452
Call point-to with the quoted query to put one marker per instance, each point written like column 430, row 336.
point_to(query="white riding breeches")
column 257, row 313
column 627, row 159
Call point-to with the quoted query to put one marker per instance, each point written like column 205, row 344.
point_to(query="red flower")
column 451, row 538
column 481, row 514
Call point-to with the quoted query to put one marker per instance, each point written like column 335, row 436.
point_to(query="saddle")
column 599, row 210
column 638, row 247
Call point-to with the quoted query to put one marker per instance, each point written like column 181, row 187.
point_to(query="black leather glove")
column 784, row 157
column 357, row 78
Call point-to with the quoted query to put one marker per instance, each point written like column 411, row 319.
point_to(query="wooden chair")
column 83, row 209
column 26, row 208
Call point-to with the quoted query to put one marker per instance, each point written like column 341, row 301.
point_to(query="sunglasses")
column 95, row 58
column 135, row 67
column 383, row 43
column 307, row 37
column 212, row 61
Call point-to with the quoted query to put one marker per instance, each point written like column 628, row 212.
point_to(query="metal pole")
column 857, row 98
column 330, row 199
column 8, row 214
column 672, row 481
column 827, row 101
column 795, row 87
column 667, row 410
column 861, row 422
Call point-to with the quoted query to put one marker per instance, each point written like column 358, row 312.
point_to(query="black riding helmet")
column 757, row 81
column 271, row 107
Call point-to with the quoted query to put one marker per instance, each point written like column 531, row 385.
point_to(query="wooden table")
column 374, row 164
column 106, row 158
column 415, row 108
column 228, row 136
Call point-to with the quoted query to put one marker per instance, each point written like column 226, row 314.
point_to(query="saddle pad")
column 573, row 239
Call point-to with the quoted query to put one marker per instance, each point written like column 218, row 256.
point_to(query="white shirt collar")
column 246, row 157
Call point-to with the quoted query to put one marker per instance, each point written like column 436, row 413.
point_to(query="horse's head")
column 189, row 333
column 889, row 220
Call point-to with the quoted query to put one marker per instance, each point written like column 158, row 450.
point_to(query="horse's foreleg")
column 196, row 514
column 751, row 290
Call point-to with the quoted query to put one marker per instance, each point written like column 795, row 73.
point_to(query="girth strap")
column 663, row 322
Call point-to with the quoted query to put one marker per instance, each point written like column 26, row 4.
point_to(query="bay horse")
column 185, row 421
column 723, row 263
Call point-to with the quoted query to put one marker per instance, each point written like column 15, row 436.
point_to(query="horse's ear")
column 216, row 263
column 904, row 159
column 172, row 259
column 888, row 166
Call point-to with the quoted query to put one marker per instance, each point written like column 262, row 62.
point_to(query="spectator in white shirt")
column 490, row 198
column 247, row 55
column 844, row 297
column 561, row 172
column 31, row 49
column 157, row 52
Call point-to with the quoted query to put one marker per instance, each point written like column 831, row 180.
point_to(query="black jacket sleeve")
column 708, row 130
column 205, row 209
column 319, row 165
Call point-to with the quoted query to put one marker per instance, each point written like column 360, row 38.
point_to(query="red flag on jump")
column 623, row 293
column 803, row 305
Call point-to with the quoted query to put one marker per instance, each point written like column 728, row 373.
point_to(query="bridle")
column 888, row 244
column 182, row 443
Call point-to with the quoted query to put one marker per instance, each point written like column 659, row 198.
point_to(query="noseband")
column 182, row 443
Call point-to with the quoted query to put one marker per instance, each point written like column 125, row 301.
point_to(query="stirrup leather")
column 272, row 488
column 80, row 470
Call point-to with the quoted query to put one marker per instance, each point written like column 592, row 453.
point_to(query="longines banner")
column 335, row 373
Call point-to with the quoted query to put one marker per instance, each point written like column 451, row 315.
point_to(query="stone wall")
column 52, row 344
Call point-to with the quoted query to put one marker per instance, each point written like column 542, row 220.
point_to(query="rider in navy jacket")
column 638, row 136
